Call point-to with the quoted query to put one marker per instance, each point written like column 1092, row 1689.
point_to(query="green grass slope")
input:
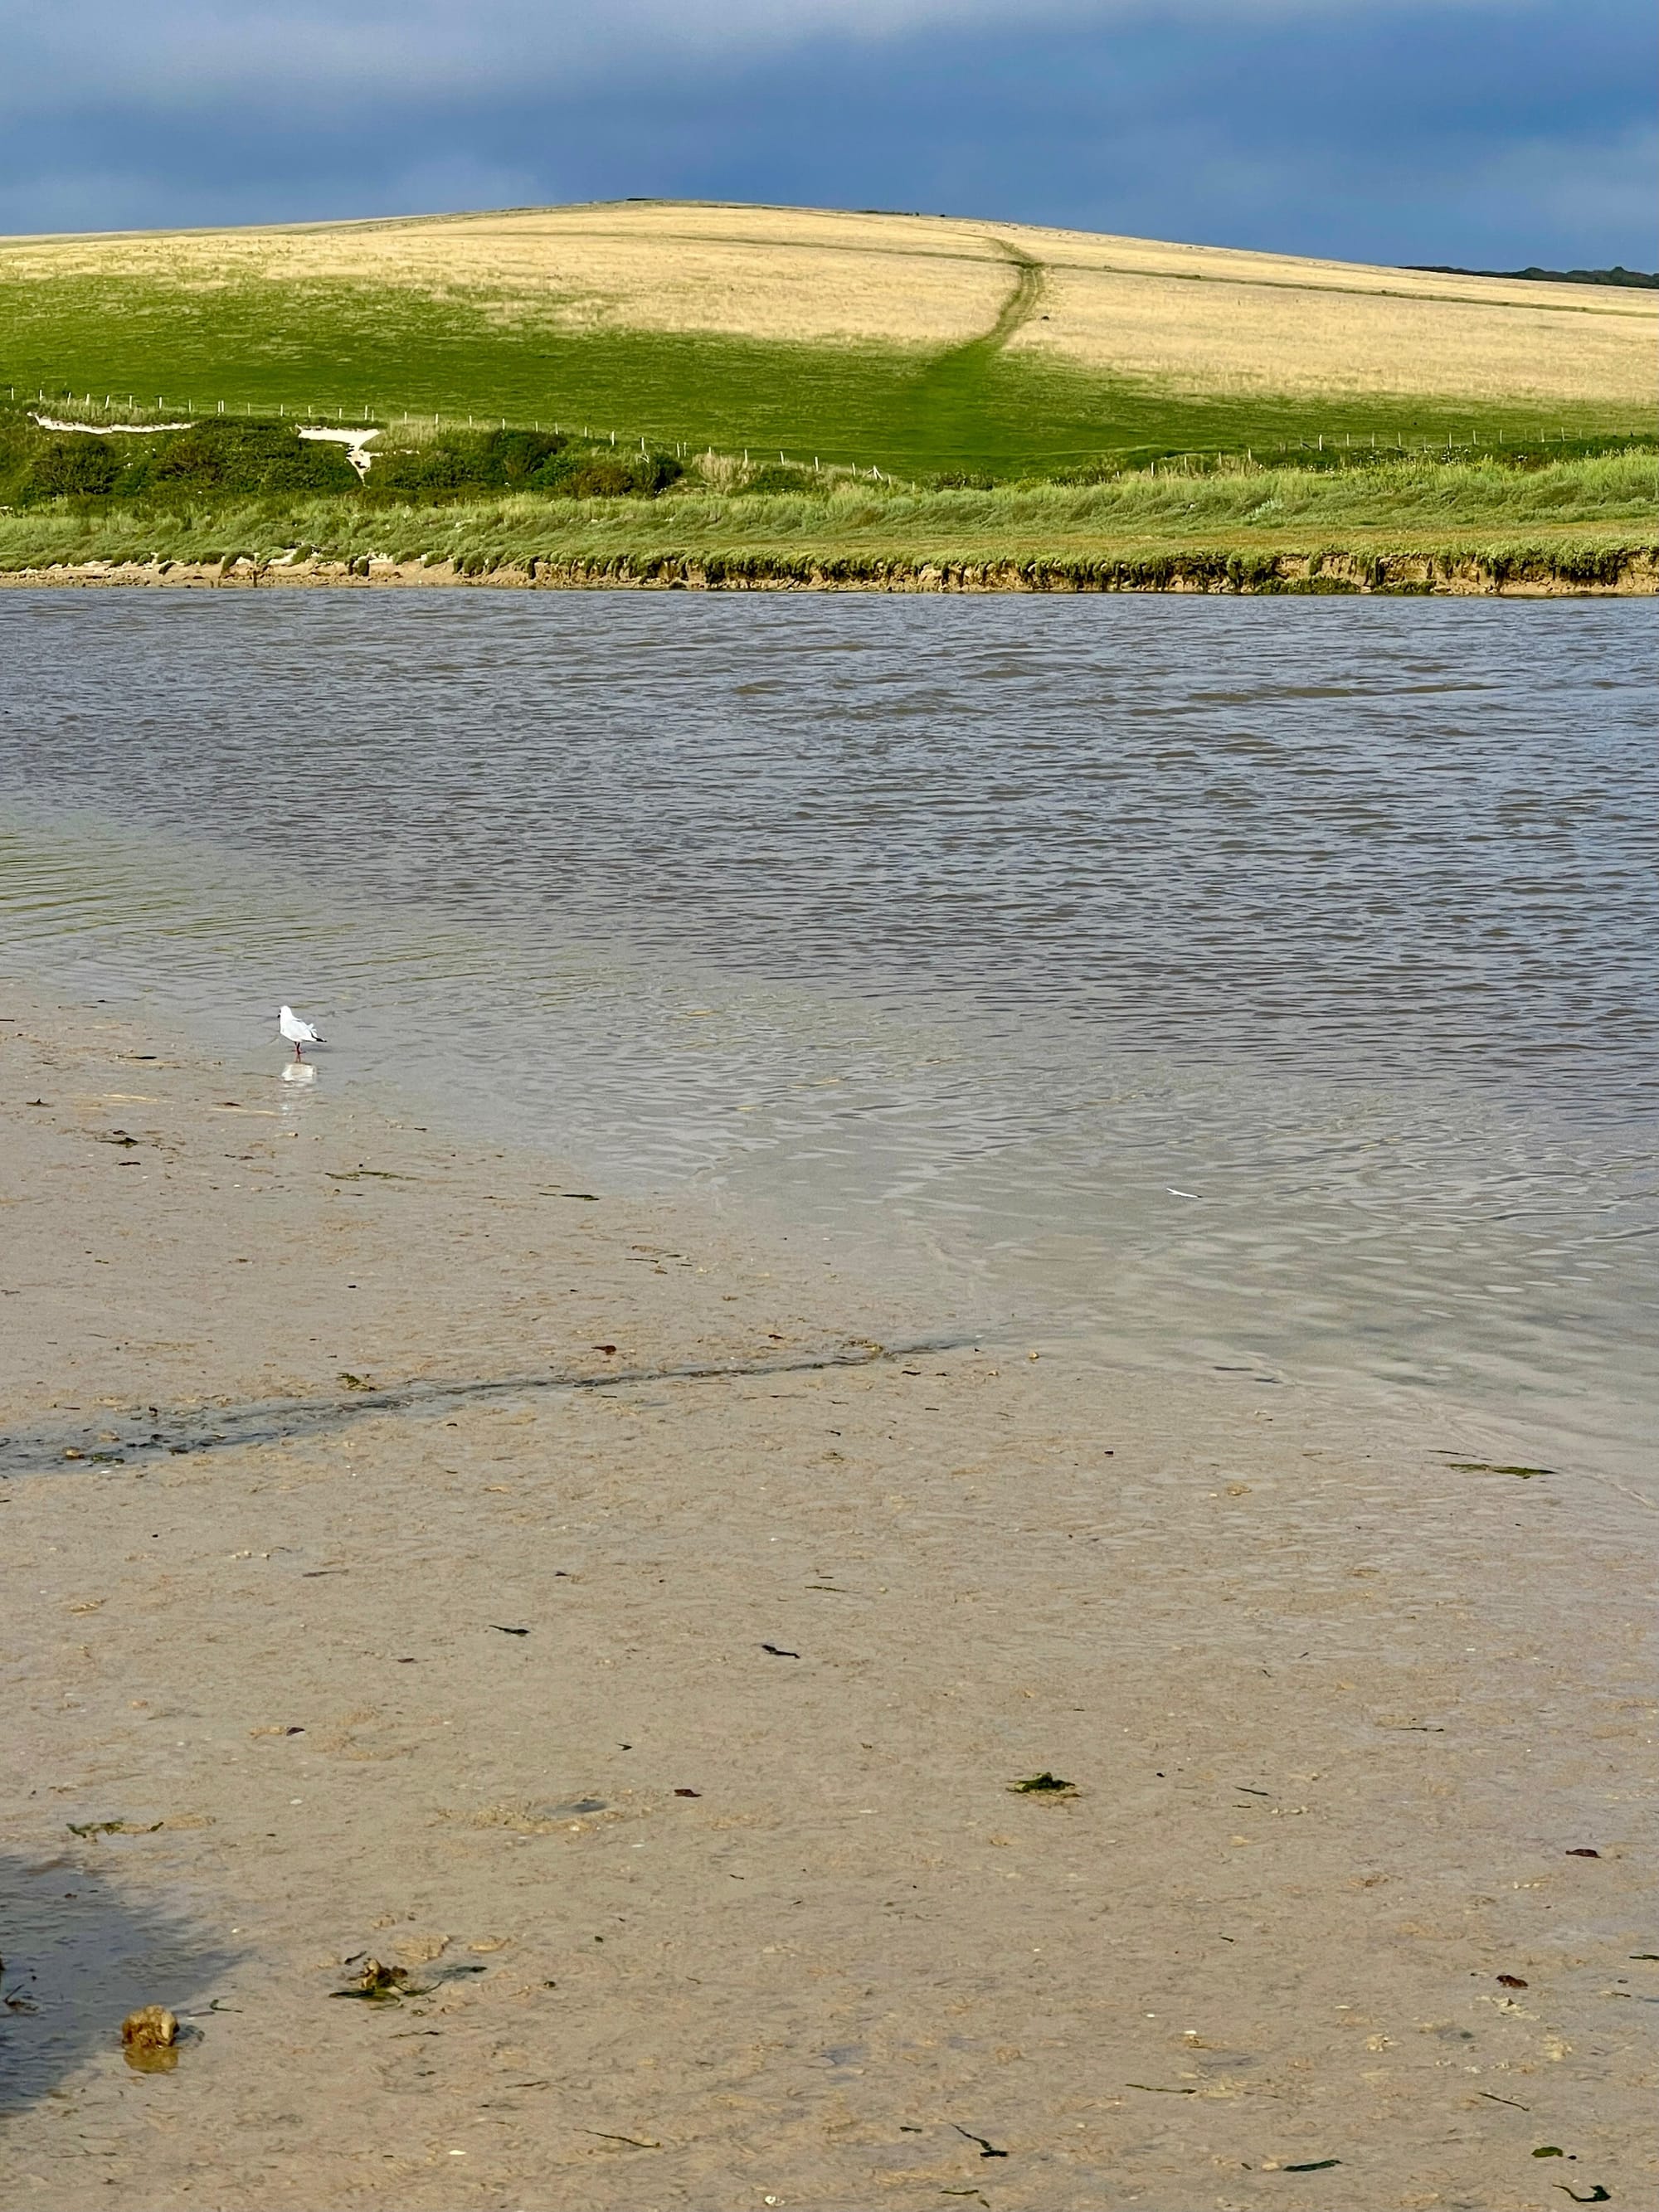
column 975, row 409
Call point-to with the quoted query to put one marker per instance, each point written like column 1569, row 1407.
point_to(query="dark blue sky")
column 1486, row 132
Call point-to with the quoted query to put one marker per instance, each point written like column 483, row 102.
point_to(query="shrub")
column 458, row 462
column 781, row 476
column 515, row 458
column 214, row 458
column 237, row 457
column 71, row 466
column 461, row 464
column 598, row 474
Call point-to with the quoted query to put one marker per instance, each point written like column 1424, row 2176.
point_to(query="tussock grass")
column 1238, row 512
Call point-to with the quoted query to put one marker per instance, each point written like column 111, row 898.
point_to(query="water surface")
column 1245, row 984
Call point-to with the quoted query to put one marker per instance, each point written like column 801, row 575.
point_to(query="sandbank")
column 665, row 1728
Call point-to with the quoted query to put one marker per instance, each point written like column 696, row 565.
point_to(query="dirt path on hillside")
column 950, row 398
column 1021, row 303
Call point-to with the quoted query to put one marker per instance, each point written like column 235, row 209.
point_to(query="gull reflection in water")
column 300, row 1077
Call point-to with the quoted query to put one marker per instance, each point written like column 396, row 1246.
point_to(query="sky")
column 1484, row 133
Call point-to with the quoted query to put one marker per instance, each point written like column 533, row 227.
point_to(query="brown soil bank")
column 1529, row 572
column 604, row 1790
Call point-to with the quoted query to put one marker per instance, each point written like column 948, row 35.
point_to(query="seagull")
column 298, row 1033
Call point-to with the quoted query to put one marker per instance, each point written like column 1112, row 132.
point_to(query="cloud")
column 1489, row 132
column 188, row 54
column 1606, row 190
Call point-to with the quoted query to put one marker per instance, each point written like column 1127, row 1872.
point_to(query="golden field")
column 935, row 350
column 1204, row 318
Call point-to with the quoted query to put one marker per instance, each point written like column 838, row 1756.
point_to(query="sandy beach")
column 660, row 1715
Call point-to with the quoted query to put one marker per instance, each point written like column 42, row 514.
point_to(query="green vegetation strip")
column 62, row 456
column 1585, row 522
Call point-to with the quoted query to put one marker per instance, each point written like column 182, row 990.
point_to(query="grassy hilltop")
column 738, row 354
column 915, row 345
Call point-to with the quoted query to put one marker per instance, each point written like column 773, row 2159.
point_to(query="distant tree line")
column 1617, row 275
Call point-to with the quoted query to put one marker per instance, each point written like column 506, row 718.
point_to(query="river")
column 1267, row 984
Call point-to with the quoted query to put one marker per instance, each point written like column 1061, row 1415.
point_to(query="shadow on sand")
column 82, row 1948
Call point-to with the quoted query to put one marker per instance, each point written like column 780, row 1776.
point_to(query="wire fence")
column 138, row 414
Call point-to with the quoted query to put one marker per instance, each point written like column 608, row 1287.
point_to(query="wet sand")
column 664, row 1730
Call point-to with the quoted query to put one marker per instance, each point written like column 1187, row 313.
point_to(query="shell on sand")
column 150, row 2038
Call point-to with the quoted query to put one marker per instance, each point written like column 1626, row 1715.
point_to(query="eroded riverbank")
column 1531, row 571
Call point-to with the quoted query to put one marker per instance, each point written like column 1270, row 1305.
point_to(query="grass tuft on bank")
column 1240, row 510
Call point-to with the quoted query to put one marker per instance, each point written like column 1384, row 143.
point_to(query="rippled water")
column 1255, row 983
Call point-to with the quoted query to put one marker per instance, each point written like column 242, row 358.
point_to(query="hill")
column 922, row 345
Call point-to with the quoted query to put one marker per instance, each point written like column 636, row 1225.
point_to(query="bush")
column 245, row 458
column 514, row 458
column 212, row 458
column 70, row 467
column 461, row 464
column 781, row 476
column 235, row 458
column 609, row 475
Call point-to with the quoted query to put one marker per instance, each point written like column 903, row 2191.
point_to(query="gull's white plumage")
column 298, row 1033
